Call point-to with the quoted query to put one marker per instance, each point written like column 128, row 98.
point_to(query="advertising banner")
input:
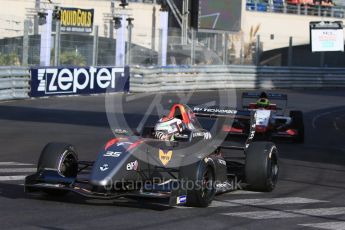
column 76, row 81
column 326, row 36
column 76, row 20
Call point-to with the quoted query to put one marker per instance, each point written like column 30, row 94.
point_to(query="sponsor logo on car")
column 112, row 154
column 165, row 157
column 215, row 110
column 132, row 166
column 181, row 200
column 223, row 162
column 124, row 143
column 104, row 167
column 205, row 135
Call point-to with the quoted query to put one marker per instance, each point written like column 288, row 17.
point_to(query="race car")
column 271, row 123
column 188, row 170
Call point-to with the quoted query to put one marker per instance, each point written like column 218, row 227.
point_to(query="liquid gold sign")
column 76, row 20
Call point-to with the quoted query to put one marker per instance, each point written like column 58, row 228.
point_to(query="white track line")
column 260, row 215
column 327, row 225
column 12, row 178
column 243, row 192
column 265, row 201
column 14, row 163
column 17, row 170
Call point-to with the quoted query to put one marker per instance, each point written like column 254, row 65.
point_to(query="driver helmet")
column 263, row 103
column 165, row 129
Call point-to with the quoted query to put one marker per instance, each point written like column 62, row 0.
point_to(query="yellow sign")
column 165, row 157
column 76, row 20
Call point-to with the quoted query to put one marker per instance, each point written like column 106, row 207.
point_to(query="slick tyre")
column 62, row 158
column 261, row 166
column 298, row 124
column 202, row 176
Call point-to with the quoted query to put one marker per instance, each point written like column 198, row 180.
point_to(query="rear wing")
column 270, row 96
column 278, row 100
column 214, row 112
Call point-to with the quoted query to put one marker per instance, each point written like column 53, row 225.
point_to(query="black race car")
column 190, row 170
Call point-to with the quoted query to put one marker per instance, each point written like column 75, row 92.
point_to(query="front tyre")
column 261, row 166
column 202, row 176
column 61, row 157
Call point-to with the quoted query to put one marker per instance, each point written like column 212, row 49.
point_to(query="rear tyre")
column 261, row 166
column 298, row 124
column 202, row 174
column 61, row 157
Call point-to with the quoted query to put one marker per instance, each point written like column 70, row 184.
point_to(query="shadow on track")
column 15, row 191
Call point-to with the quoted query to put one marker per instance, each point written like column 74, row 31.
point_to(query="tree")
column 9, row 59
column 72, row 58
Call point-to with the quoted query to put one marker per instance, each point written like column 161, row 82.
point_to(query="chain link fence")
column 22, row 48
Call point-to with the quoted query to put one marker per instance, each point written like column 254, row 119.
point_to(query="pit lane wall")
column 23, row 82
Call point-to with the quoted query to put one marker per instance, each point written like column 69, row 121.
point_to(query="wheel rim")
column 68, row 164
column 274, row 170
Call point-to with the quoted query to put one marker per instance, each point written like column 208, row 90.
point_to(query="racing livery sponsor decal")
column 223, row 162
column 181, row 200
column 132, row 166
column 112, row 154
column 205, row 135
column 104, row 167
column 215, row 110
column 165, row 157
column 74, row 81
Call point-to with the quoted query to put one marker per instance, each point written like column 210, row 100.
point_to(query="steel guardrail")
column 14, row 82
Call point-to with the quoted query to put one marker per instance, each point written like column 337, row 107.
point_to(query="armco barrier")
column 227, row 77
column 14, row 82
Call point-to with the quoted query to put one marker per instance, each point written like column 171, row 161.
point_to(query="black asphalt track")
column 311, row 188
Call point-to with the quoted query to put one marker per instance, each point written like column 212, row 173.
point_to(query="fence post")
column 25, row 43
column 192, row 55
column 290, row 54
column 57, row 42
column 257, row 50
column 129, row 42
column 95, row 47
column 225, row 50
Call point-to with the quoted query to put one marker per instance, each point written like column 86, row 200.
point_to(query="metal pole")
column 37, row 8
column 95, row 47
column 160, row 41
column 129, row 44
column 185, row 15
column 257, row 50
column 111, row 22
column 57, row 43
column 192, row 55
column 290, row 54
column 225, row 50
column 45, row 45
column 164, row 19
column 25, row 43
